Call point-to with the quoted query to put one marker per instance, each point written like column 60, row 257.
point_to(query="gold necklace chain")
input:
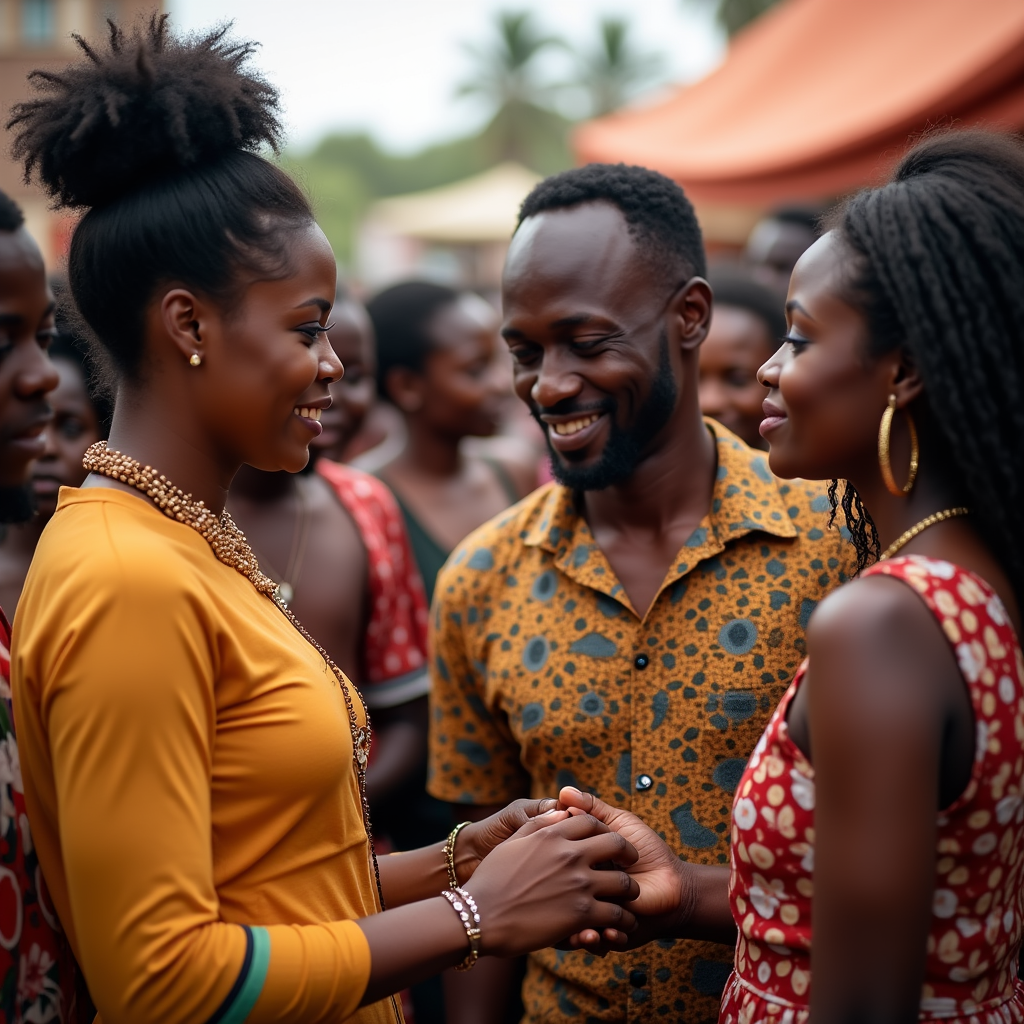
column 287, row 583
column 907, row 536
column 231, row 547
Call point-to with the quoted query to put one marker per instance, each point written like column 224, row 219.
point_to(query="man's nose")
column 554, row 384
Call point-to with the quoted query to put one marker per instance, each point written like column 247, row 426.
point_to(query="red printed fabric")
column 395, row 651
column 36, row 973
column 975, row 935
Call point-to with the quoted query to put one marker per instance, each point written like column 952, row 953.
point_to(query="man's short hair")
column 659, row 216
column 11, row 217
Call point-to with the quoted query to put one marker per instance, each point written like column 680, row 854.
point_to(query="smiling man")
column 629, row 628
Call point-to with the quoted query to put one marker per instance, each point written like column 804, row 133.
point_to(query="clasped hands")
column 639, row 891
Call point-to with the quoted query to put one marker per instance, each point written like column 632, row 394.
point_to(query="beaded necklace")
column 231, row 547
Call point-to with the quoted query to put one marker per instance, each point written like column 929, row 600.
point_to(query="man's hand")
column 658, row 871
column 664, row 893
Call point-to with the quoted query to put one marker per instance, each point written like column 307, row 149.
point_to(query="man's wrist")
column 679, row 919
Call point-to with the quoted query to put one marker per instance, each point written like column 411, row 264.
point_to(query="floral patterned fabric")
column 971, row 971
column 36, row 974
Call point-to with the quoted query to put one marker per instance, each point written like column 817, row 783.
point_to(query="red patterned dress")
column 37, row 981
column 977, row 909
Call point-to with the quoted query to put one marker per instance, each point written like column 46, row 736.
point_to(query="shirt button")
column 641, row 661
column 638, row 979
column 644, row 782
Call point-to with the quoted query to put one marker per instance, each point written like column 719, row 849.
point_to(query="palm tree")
column 506, row 70
column 506, row 76
column 612, row 72
column 733, row 15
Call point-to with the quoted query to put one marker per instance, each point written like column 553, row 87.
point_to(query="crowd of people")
column 723, row 694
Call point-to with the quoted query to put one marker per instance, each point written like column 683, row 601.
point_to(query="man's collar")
column 746, row 497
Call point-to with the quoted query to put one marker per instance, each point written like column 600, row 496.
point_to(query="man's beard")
column 17, row 504
column 625, row 448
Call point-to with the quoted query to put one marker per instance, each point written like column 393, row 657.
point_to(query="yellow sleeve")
column 126, row 715
column 473, row 757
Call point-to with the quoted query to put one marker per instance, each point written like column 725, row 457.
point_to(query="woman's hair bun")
column 144, row 106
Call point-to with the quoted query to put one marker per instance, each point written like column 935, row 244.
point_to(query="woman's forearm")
column 411, row 943
column 413, row 875
column 420, row 874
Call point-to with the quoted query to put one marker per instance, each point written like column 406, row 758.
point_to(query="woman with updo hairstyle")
column 878, row 829
column 193, row 762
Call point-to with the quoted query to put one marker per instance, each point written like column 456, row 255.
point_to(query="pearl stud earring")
column 195, row 359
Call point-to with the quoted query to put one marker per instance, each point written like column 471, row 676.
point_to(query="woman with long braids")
column 193, row 762
column 878, row 828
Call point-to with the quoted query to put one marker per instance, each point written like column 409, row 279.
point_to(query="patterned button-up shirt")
column 544, row 675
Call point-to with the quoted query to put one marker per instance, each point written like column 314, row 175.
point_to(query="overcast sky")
column 391, row 66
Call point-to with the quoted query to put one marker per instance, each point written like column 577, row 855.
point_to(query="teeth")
column 308, row 413
column 574, row 426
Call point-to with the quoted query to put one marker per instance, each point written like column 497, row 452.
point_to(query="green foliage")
column 734, row 15
column 613, row 72
column 345, row 173
column 505, row 70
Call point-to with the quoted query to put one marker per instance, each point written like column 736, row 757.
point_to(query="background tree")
column 734, row 15
column 508, row 78
column 613, row 71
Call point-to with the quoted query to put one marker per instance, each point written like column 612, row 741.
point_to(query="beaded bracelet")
column 465, row 906
column 449, row 854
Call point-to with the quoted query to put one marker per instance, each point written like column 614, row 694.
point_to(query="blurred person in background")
column 746, row 328
column 81, row 417
column 437, row 354
column 778, row 241
column 37, row 970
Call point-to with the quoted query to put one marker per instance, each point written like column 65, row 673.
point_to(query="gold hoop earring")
column 195, row 359
column 884, row 431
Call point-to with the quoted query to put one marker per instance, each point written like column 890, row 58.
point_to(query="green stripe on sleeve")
column 253, row 985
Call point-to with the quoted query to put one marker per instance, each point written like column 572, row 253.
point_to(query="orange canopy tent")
column 818, row 97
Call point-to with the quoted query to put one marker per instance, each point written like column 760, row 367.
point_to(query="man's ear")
column 182, row 316
column 690, row 309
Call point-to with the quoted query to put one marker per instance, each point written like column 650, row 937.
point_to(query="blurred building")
column 457, row 234
column 37, row 34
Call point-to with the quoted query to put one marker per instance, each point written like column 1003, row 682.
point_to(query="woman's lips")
column 310, row 418
column 773, row 417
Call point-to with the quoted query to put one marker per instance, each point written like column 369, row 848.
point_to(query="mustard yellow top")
column 187, row 762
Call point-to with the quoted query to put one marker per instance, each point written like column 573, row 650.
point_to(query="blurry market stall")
column 456, row 234
column 817, row 98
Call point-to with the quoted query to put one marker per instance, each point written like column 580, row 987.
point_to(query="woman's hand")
column 478, row 838
column 548, row 881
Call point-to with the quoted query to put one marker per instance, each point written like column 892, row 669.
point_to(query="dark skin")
column 583, row 321
column 262, row 362
column 74, row 428
column 459, row 393
column 872, row 644
column 738, row 342
column 26, row 374
column 330, row 570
